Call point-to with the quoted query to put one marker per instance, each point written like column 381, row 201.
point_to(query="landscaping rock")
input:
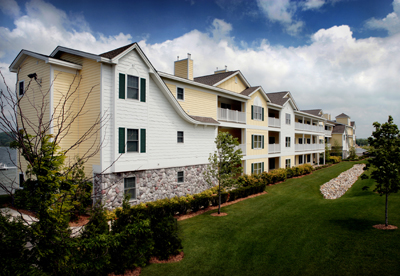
column 336, row 187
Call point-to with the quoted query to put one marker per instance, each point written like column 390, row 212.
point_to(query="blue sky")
column 338, row 55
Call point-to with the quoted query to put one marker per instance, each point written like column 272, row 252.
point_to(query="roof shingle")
column 214, row 78
column 249, row 90
column 204, row 119
column 342, row 116
column 113, row 53
column 339, row 129
column 278, row 97
column 314, row 112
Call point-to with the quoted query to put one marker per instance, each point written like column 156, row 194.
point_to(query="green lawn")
column 292, row 230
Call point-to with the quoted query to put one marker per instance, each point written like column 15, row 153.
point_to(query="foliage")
column 327, row 154
column 362, row 142
column 335, row 159
column 352, row 153
column 336, row 149
column 386, row 165
column 225, row 163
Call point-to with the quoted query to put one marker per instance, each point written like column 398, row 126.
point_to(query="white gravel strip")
column 336, row 187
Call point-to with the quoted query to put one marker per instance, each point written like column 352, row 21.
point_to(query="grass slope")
column 292, row 230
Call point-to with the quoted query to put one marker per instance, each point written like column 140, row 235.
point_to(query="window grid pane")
column 130, row 187
column 180, row 93
column 180, row 136
column 132, row 144
column 180, row 177
column 133, row 87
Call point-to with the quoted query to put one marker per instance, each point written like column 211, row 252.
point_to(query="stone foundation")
column 150, row 185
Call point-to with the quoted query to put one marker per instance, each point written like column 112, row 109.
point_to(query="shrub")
column 335, row 159
column 289, row 172
column 307, row 168
column 278, row 175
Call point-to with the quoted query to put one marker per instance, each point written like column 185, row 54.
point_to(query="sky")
column 341, row 56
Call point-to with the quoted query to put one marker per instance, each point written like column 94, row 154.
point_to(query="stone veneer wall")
column 150, row 185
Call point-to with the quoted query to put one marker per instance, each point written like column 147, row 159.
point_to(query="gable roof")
column 278, row 97
column 338, row 129
column 113, row 53
column 315, row 112
column 342, row 116
column 250, row 90
column 214, row 78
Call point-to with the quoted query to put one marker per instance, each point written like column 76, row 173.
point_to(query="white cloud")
column 313, row 4
column 391, row 22
column 335, row 72
column 281, row 11
column 9, row 7
column 44, row 27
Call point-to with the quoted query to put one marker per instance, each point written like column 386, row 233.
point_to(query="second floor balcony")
column 328, row 132
column 309, row 147
column 274, row 122
column 307, row 127
column 242, row 147
column 231, row 115
column 274, row 148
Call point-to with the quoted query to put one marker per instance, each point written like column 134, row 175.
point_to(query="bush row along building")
column 159, row 129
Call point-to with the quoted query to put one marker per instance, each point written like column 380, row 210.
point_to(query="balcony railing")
column 307, row 147
column 231, row 115
column 313, row 128
column 274, row 122
column 328, row 132
column 274, row 148
column 242, row 147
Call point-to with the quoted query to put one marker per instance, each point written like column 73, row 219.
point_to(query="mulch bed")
column 384, row 227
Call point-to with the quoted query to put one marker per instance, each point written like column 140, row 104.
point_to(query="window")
column 180, row 136
column 271, row 164
column 133, row 87
column 258, row 168
column 181, row 177
column 308, row 141
column 130, row 187
column 288, row 142
column 132, row 140
column 21, row 88
column 258, row 113
column 180, row 92
column 130, row 85
column 300, row 140
column 271, row 140
column 287, row 118
column 288, row 163
column 21, row 180
column 300, row 159
column 258, row 142
column 308, row 158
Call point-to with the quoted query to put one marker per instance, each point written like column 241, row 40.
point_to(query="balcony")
column 328, row 132
column 231, row 115
column 307, row 127
column 242, row 147
column 274, row 122
column 309, row 147
column 274, row 148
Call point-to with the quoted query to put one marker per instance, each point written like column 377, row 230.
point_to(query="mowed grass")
column 292, row 230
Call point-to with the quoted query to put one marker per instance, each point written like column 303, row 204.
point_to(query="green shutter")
column 142, row 140
column 252, row 112
column 262, row 113
column 252, row 168
column 262, row 141
column 121, row 86
column 143, row 90
column 121, row 143
column 252, row 141
column 262, row 166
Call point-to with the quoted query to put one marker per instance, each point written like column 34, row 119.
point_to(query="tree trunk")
column 386, row 208
column 219, row 199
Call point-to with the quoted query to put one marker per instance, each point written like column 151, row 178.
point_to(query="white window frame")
column 19, row 88
column 257, row 113
column 287, row 142
column 257, row 168
column 127, row 140
column 180, row 137
column 138, row 87
column 288, row 164
column 287, row 117
column 180, row 178
column 129, row 189
column 183, row 93
column 257, row 141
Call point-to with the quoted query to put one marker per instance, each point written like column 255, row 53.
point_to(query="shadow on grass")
column 352, row 224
